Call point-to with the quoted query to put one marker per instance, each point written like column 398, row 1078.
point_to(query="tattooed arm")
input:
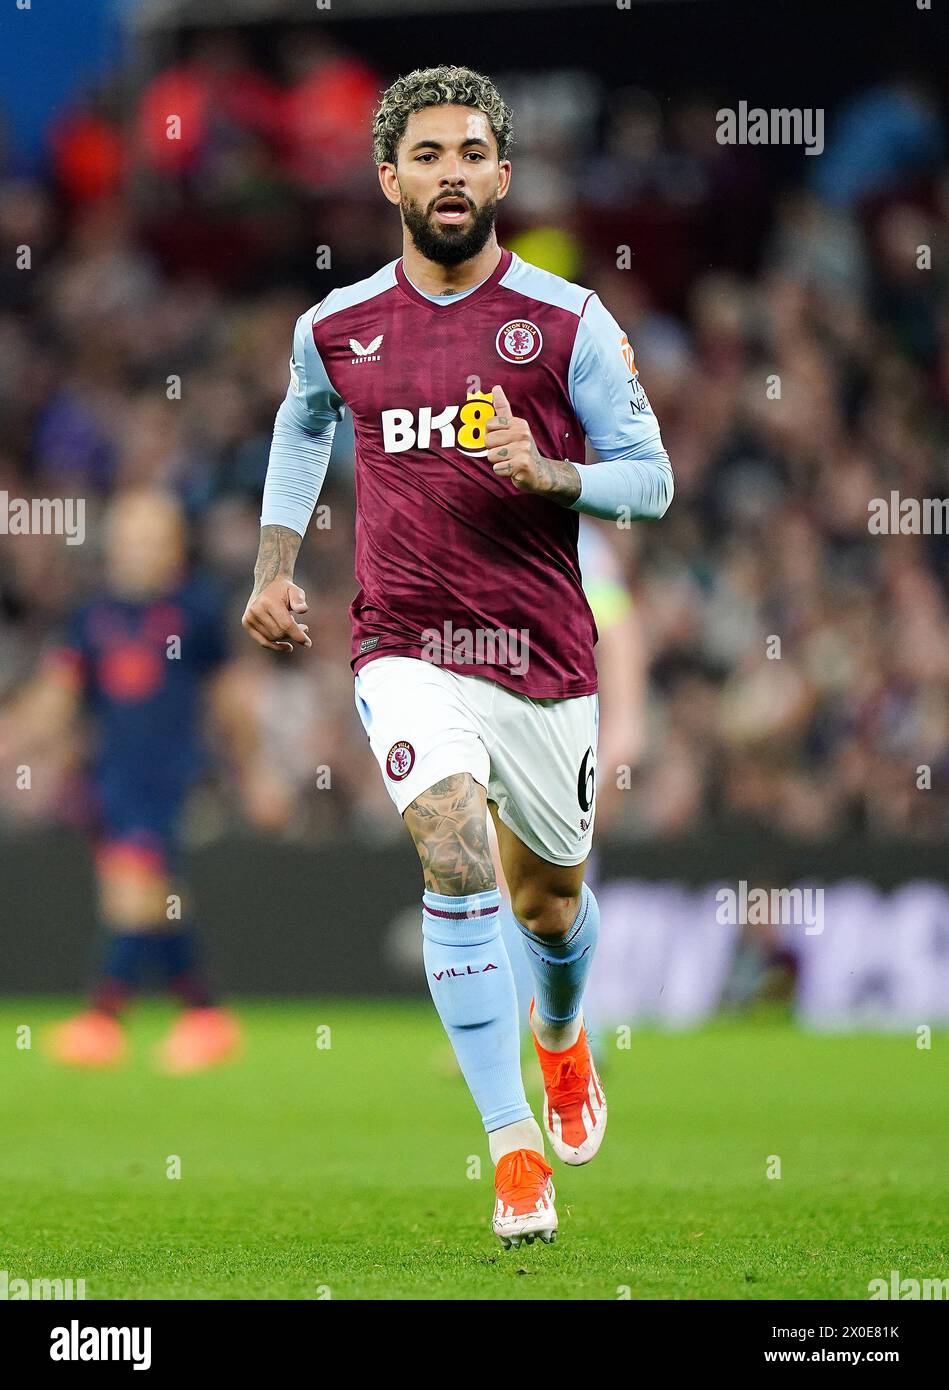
column 269, row 615
column 276, row 555
column 636, row 487
column 295, row 472
column 299, row 457
column 513, row 454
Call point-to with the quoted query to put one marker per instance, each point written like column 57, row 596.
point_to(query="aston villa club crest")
column 400, row 760
column 519, row 341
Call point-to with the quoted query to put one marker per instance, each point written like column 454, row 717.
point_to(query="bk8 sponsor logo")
column 402, row 430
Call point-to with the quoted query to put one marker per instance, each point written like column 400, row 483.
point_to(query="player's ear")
column 389, row 180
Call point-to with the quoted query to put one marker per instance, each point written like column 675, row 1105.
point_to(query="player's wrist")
column 276, row 557
column 563, row 478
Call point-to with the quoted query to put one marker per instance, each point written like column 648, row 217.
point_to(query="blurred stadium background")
column 153, row 259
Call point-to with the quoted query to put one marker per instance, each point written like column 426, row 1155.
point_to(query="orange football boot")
column 201, row 1038
column 574, row 1103
column 91, row 1039
column 525, row 1199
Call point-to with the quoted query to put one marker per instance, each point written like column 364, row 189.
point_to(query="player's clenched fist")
column 513, row 454
column 269, row 615
column 511, row 447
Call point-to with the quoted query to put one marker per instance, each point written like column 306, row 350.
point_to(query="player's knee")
column 456, row 875
column 133, row 899
column 545, row 913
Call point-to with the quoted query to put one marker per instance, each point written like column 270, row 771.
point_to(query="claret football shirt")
column 444, row 545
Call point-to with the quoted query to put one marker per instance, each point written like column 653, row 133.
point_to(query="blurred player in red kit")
column 137, row 660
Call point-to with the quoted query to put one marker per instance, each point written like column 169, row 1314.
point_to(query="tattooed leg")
column 466, row 962
column 448, row 823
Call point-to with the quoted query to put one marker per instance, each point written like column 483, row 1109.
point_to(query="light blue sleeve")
column 302, row 436
column 618, row 420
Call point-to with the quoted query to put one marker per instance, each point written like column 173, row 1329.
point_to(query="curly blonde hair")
column 441, row 86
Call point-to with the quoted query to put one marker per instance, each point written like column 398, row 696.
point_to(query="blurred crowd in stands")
column 792, row 335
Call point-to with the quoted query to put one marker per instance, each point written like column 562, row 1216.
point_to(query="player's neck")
column 432, row 278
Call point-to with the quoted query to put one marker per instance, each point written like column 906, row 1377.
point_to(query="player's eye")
column 469, row 154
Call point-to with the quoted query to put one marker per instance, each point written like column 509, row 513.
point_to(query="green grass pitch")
column 347, row 1171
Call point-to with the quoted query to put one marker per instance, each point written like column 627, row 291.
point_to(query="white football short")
column 535, row 758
